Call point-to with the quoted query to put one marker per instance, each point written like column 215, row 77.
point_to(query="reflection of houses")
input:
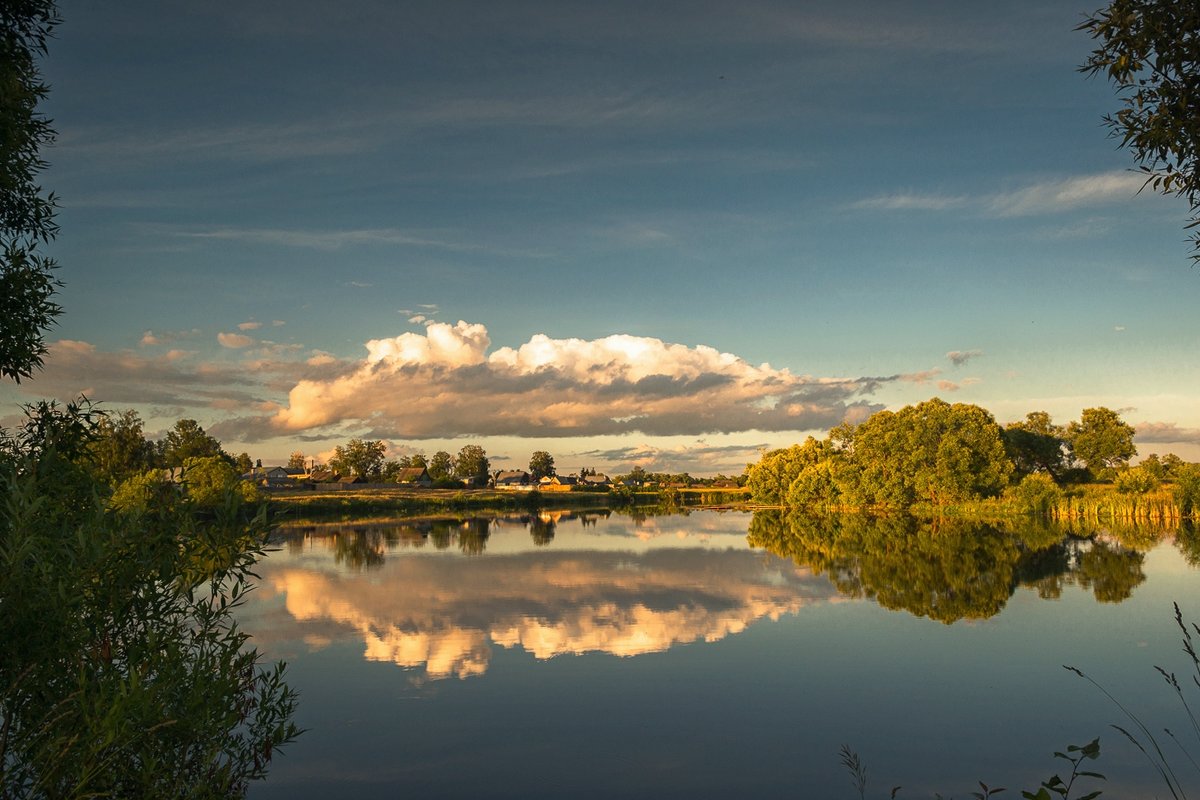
column 517, row 480
column 414, row 476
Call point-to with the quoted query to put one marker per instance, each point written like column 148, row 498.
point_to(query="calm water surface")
column 710, row 655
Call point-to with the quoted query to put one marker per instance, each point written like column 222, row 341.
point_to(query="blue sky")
column 667, row 234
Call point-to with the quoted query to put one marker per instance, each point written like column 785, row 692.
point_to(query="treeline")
column 940, row 454
column 367, row 459
column 640, row 477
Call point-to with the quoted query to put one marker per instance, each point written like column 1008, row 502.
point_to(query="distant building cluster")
column 277, row 477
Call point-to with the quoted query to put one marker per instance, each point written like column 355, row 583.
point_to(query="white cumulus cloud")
column 448, row 381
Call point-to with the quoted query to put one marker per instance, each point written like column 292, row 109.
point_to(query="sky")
column 657, row 234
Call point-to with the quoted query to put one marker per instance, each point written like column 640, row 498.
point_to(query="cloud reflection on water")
column 445, row 615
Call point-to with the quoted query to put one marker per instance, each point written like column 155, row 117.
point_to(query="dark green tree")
column 1150, row 51
column 123, row 673
column 188, row 440
column 1036, row 444
column 441, row 465
column 471, row 462
column 118, row 450
column 390, row 470
column 541, row 465
column 359, row 457
column 27, row 282
column 413, row 460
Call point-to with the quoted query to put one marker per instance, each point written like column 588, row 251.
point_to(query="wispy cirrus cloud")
column 1043, row 197
column 1066, row 194
column 905, row 201
column 328, row 239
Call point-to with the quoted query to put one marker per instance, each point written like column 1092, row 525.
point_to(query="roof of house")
column 412, row 475
column 512, row 476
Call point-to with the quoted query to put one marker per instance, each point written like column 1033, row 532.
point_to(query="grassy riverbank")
column 1093, row 503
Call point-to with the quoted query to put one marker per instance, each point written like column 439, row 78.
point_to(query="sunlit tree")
column 1101, row 440
column 359, row 457
column 541, row 465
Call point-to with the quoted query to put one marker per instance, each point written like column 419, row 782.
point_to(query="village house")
column 559, row 480
column 517, row 480
column 271, row 477
column 414, row 476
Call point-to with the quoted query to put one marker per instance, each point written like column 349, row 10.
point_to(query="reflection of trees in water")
column 1043, row 570
column 541, row 531
column 946, row 569
column 358, row 549
column 473, row 535
column 365, row 544
column 1187, row 541
column 1110, row 571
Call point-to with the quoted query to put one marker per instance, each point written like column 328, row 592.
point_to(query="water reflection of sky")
column 662, row 657
column 627, row 589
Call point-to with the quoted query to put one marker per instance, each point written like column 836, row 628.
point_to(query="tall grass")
column 1101, row 503
column 1140, row 734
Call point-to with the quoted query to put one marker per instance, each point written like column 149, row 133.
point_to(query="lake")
column 714, row 654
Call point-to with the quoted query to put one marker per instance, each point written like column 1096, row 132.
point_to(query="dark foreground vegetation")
column 122, row 671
